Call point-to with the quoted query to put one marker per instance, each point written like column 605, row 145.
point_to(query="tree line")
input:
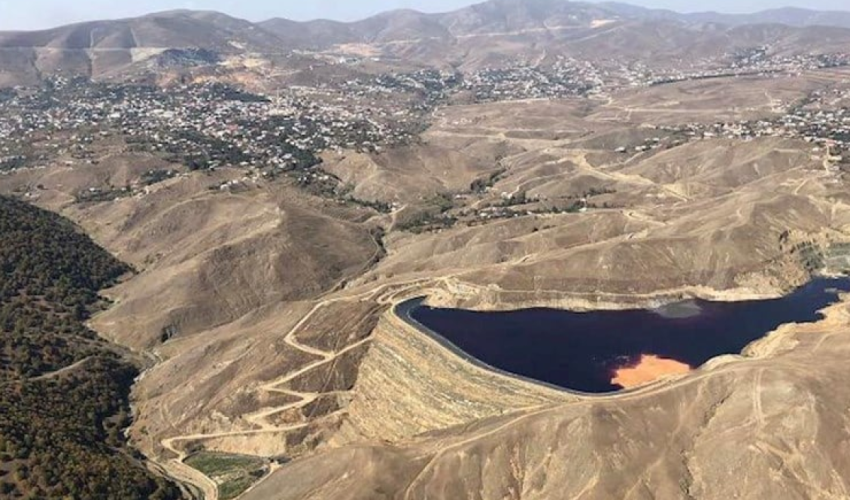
column 61, row 432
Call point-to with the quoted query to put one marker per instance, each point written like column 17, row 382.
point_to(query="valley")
column 283, row 190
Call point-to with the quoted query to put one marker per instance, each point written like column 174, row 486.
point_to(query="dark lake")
column 582, row 350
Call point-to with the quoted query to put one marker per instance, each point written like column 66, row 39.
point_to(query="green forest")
column 64, row 392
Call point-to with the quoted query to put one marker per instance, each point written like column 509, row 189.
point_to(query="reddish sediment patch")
column 649, row 369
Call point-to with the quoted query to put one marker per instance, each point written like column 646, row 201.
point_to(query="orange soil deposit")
column 649, row 369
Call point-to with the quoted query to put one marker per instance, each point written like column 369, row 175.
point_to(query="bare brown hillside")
column 265, row 304
column 716, row 434
column 172, row 46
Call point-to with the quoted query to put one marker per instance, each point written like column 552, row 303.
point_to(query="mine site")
column 510, row 250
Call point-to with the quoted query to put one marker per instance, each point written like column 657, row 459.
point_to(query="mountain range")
column 213, row 30
column 513, row 16
column 469, row 36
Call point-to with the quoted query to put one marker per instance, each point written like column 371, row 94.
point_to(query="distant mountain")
column 789, row 16
column 104, row 48
column 493, row 17
column 484, row 34
column 311, row 34
column 210, row 30
column 511, row 16
column 519, row 15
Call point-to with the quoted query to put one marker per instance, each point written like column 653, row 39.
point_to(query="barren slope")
column 766, row 427
column 265, row 308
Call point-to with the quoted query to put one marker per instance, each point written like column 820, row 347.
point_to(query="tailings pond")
column 586, row 351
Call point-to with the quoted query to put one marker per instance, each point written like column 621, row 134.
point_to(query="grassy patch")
column 229, row 490
column 233, row 473
column 213, row 464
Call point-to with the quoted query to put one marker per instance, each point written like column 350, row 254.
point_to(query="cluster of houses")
column 756, row 61
column 201, row 126
column 823, row 120
column 570, row 77
column 566, row 77
column 211, row 125
column 420, row 90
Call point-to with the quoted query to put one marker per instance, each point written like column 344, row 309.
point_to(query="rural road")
column 177, row 467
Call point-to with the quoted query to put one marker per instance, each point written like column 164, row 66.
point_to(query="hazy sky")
column 35, row 14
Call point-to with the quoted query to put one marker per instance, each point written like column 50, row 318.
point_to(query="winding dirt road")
column 177, row 467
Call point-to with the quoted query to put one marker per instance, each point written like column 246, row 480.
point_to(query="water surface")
column 583, row 351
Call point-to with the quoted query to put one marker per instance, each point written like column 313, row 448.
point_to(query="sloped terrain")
column 263, row 298
column 115, row 49
column 268, row 310
column 716, row 434
column 168, row 46
column 63, row 391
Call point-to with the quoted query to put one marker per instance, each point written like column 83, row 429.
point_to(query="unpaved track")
column 60, row 372
column 47, row 376
column 179, row 470
column 388, row 294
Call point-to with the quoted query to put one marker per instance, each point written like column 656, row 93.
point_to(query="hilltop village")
column 816, row 120
column 203, row 126
column 207, row 126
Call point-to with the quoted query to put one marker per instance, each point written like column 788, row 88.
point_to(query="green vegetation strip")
column 233, row 473
column 64, row 392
